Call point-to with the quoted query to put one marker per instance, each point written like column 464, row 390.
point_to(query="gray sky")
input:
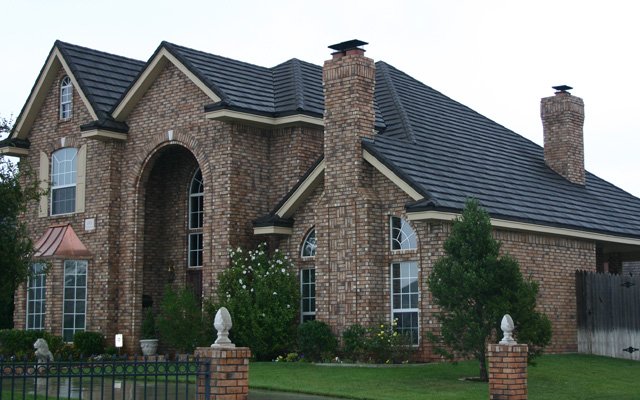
column 497, row 57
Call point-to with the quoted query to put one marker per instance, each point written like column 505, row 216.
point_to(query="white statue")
column 43, row 355
column 507, row 328
column 223, row 324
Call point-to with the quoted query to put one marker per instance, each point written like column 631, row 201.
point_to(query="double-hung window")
column 404, row 298
column 36, row 297
column 63, row 181
column 74, row 306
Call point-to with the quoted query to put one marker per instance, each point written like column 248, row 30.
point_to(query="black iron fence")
column 130, row 379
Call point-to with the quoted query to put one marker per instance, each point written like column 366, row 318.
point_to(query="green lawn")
column 554, row 377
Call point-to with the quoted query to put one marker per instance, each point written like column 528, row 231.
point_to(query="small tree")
column 17, row 188
column 475, row 286
column 181, row 322
column 261, row 293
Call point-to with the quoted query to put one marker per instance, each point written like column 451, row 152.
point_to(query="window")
column 36, row 297
column 196, row 220
column 309, row 245
column 66, row 98
column 63, row 181
column 403, row 237
column 308, row 294
column 74, row 309
column 404, row 298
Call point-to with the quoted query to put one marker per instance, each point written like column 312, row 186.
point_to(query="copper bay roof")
column 60, row 241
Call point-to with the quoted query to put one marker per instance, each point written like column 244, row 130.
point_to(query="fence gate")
column 119, row 379
column 608, row 316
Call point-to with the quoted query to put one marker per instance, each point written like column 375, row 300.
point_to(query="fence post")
column 507, row 366
column 228, row 377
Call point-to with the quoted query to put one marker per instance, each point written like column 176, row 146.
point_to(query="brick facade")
column 137, row 192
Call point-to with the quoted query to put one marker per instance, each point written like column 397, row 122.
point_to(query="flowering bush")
column 261, row 293
column 379, row 343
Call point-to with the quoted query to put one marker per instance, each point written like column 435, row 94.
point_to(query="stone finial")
column 507, row 328
column 223, row 324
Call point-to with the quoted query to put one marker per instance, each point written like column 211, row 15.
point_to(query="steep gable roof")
column 457, row 153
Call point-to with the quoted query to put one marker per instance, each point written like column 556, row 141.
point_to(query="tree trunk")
column 484, row 374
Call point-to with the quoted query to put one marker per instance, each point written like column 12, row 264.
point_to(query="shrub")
column 181, row 322
column 354, row 340
column 262, row 295
column 88, row 343
column 149, row 330
column 19, row 343
column 316, row 341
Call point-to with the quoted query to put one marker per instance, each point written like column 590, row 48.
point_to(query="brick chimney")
column 562, row 121
column 349, row 82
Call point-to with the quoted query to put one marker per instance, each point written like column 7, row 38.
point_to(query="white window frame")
column 64, row 175
column 399, row 300
column 195, row 236
column 405, row 237
column 307, row 280
column 74, row 303
column 309, row 245
column 66, row 98
column 36, row 297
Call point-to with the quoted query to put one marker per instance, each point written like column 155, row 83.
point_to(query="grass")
column 574, row 376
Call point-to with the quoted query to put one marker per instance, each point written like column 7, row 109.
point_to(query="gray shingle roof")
column 103, row 77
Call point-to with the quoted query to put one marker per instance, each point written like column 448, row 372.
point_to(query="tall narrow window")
column 66, row 98
column 308, row 294
column 63, row 181
column 196, row 220
column 74, row 309
column 403, row 237
column 36, row 297
column 404, row 298
column 309, row 245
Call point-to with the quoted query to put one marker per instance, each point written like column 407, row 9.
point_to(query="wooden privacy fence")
column 608, row 308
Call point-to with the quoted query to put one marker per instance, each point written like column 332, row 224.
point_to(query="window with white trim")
column 63, row 181
column 74, row 306
column 36, row 297
column 403, row 237
column 308, row 294
column 66, row 98
column 196, row 220
column 404, row 298
column 309, row 245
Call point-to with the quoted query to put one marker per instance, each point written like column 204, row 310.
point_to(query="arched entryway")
column 173, row 221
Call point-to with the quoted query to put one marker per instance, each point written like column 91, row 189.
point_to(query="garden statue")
column 223, row 324
column 43, row 355
column 507, row 328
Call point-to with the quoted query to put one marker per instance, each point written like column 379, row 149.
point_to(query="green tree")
column 474, row 286
column 17, row 187
column 262, row 295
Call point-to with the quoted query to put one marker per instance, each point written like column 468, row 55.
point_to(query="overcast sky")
column 497, row 57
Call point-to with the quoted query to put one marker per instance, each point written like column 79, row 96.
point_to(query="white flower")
column 244, row 286
column 283, row 270
column 240, row 281
column 275, row 293
column 288, row 306
column 252, row 289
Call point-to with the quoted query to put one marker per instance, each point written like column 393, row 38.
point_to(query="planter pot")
column 149, row 347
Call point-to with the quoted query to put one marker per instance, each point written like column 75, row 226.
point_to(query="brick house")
column 355, row 169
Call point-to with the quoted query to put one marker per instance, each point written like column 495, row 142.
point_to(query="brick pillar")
column 229, row 373
column 507, row 371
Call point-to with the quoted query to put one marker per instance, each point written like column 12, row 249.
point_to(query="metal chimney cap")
column 348, row 45
column 562, row 88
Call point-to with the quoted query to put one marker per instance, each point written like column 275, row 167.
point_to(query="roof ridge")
column 297, row 80
column 402, row 113
column 215, row 55
column 59, row 42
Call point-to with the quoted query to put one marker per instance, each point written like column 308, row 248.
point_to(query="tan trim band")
column 14, row 151
column 231, row 115
column 271, row 230
column 399, row 182
column 101, row 134
column 523, row 226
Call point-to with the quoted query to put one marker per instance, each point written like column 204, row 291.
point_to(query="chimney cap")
column 348, row 45
column 562, row 88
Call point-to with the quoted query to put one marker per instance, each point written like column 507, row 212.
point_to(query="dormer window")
column 66, row 98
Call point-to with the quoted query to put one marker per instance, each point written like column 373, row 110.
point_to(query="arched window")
column 309, row 245
column 196, row 220
column 66, row 98
column 63, row 181
column 403, row 237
